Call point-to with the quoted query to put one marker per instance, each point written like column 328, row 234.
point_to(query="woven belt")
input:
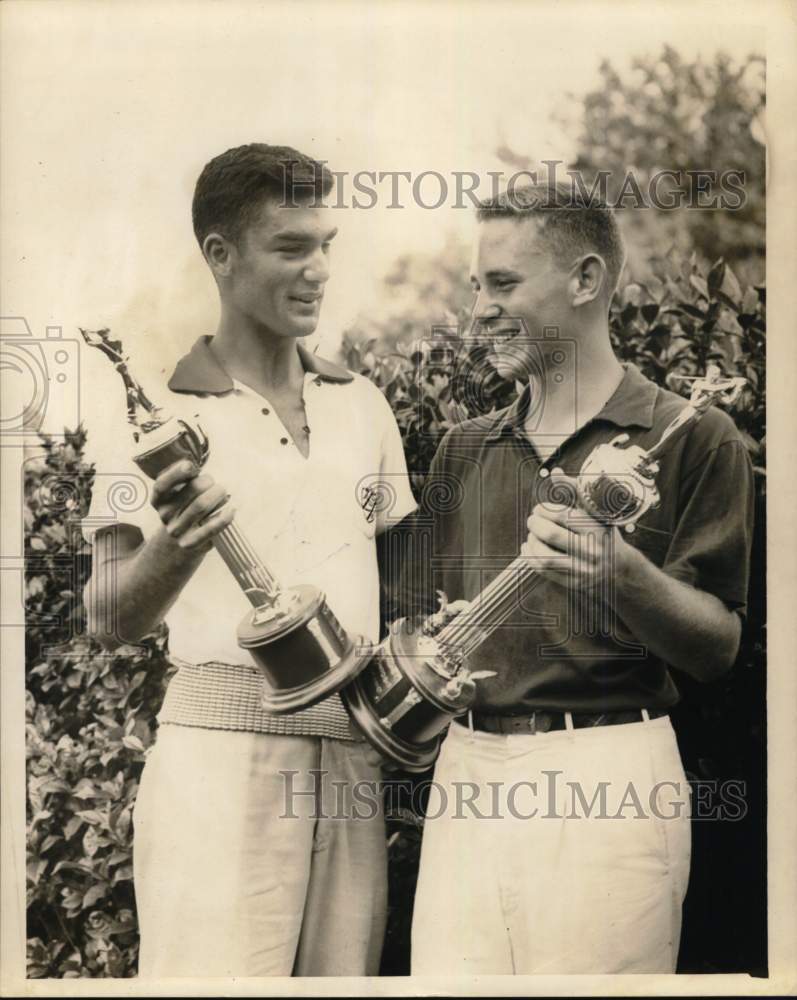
column 547, row 722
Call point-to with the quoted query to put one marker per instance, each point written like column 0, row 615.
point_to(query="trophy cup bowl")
column 616, row 485
column 404, row 699
column 171, row 442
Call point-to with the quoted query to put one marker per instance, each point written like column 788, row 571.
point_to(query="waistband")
column 547, row 722
column 223, row 696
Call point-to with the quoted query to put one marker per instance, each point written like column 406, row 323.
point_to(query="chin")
column 301, row 327
column 509, row 369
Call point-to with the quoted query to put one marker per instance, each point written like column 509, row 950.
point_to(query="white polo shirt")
column 309, row 519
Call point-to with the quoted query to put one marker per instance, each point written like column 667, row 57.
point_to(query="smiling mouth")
column 307, row 299
column 504, row 335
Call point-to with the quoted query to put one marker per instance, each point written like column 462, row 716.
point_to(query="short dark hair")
column 572, row 222
column 234, row 185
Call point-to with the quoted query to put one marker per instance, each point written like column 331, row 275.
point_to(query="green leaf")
column 94, row 895
column 650, row 311
column 731, row 286
column 85, row 789
column 92, row 816
column 699, row 284
column 91, row 841
column 715, row 277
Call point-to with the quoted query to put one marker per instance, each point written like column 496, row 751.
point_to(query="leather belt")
column 547, row 722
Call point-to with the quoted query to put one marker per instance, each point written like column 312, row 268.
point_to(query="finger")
column 196, row 511
column 542, row 556
column 176, row 475
column 574, row 519
column 578, row 566
column 181, row 496
column 177, row 502
column 202, row 534
column 550, row 532
column 455, row 607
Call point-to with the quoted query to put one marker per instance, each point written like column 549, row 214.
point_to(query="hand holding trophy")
column 292, row 635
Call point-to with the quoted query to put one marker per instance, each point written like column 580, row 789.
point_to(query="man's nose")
column 484, row 311
column 316, row 270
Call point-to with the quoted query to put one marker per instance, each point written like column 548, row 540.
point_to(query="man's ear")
column 587, row 280
column 218, row 252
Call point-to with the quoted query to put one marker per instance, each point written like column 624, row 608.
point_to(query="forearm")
column 128, row 597
column 688, row 628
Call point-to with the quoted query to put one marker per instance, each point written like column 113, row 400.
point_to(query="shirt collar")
column 631, row 405
column 199, row 371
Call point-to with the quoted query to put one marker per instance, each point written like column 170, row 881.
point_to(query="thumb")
column 455, row 607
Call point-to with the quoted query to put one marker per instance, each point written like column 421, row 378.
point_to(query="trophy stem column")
column 254, row 579
column 475, row 623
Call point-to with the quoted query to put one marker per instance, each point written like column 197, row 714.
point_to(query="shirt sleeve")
column 710, row 548
column 393, row 474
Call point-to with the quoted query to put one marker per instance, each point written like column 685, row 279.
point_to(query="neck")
column 593, row 377
column 256, row 356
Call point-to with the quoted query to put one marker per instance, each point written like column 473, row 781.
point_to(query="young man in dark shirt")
column 558, row 836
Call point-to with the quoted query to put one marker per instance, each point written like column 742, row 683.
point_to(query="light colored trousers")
column 233, row 874
column 592, row 882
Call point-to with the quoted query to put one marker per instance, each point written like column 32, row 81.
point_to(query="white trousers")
column 563, row 852
column 241, row 870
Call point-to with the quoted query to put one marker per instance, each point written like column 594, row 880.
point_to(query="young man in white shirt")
column 227, row 883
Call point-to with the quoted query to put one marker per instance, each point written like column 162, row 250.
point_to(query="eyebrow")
column 502, row 273
column 294, row 236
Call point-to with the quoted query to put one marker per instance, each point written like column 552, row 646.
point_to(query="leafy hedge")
column 90, row 715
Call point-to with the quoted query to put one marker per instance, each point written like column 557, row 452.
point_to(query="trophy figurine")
column 418, row 680
column 302, row 651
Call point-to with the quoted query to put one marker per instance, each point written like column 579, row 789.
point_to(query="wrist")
column 627, row 562
column 176, row 556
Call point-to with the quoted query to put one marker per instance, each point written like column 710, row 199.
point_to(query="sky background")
column 109, row 112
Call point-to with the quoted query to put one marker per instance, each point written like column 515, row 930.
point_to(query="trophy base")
column 284, row 701
column 303, row 653
column 413, row 757
column 402, row 704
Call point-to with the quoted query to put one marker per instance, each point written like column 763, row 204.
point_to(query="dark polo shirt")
column 563, row 648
